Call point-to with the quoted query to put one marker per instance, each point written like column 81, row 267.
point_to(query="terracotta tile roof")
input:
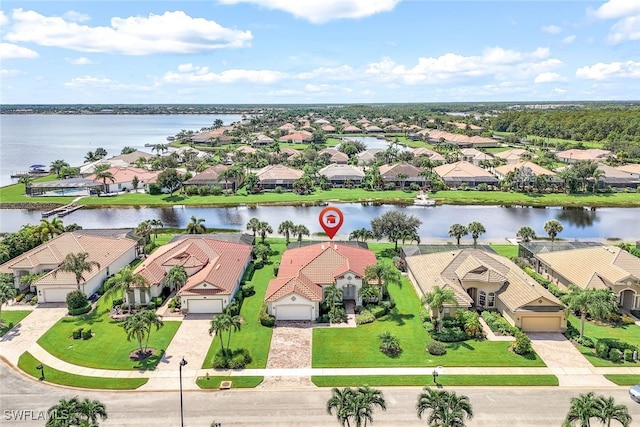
column 339, row 172
column 126, row 174
column 536, row 169
column 328, row 128
column 133, row 157
column 631, row 168
column 514, row 154
column 208, row 176
column 287, row 126
column 301, row 136
column 462, row 170
column 316, row 265
column 423, row 151
column 392, row 171
column 351, row 129
column 278, row 172
column 215, row 263
column 589, row 154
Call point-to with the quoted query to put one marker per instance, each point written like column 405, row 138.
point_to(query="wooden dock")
column 62, row 210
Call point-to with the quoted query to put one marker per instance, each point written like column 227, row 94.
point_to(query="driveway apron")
column 290, row 348
column 566, row 362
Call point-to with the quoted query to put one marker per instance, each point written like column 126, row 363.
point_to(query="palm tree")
column 176, row 277
column 57, row 166
column 104, row 176
column 447, row 409
column 436, row 301
column 457, row 231
column 234, row 324
column 526, row 234
column 553, row 228
column 27, row 180
column 151, row 318
column 341, row 402
column 608, row 411
column 91, row 410
column 361, row 233
column 136, row 326
column 253, row 225
column 219, row 324
column 7, row 292
column 73, row 413
column 77, row 265
column 123, row 281
column 50, row 229
column 196, row 226
column 369, row 293
column 144, row 231
column 301, row 230
column 383, row 274
column 332, row 294
column 583, row 408
column 476, row 229
column 600, row 303
column 263, row 229
column 365, row 400
column 286, row 227
column 155, row 223
column 262, row 251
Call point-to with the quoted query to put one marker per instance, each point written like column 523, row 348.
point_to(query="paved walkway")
column 565, row 361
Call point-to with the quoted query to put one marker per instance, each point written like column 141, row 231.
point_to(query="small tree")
column 196, row 226
column 170, row 179
column 526, row 234
column 77, row 265
column 7, row 291
column 553, row 228
column 599, row 303
column 446, row 408
column 476, row 229
column 76, row 300
column 286, row 227
column 457, row 231
column 436, row 301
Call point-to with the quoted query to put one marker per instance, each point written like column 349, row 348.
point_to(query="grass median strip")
column 29, row 365
column 213, row 382
column 623, row 379
column 427, row 380
column 11, row 318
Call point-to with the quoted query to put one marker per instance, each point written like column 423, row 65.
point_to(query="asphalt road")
column 512, row 407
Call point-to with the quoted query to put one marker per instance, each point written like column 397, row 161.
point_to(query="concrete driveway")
column 565, row 361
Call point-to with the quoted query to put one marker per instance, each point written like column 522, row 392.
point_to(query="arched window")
column 482, row 298
column 491, row 301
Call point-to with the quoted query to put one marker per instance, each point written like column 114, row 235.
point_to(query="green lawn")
column 622, row 379
column 628, row 333
column 28, row 364
column 558, row 199
column 11, row 318
column 236, row 382
column 427, row 380
column 508, row 251
column 108, row 348
column 253, row 336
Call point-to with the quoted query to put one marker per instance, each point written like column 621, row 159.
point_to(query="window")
column 482, row 297
column 491, row 302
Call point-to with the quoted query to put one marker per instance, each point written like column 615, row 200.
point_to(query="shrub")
column 388, row 304
column 117, row 302
column 19, row 297
column 615, row 355
column 149, row 247
column 248, row 290
column 76, row 299
column 154, row 189
column 377, row 310
column 628, row 355
column 236, row 359
column 365, row 317
column 278, row 190
column 86, row 334
column 151, row 305
column 33, row 301
column 627, row 320
column 276, row 268
column 323, row 318
column 28, row 297
column 414, row 186
column 497, row 323
column 602, row 349
column 436, row 348
column 233, row 308
column 265, row 318
column 571, row 332
column 450, row 334
column 586, row 341
column 76, row 334
column 389, row 344
column 81, row 310
column 522, row 344
column 424, row 314
column 338, row 315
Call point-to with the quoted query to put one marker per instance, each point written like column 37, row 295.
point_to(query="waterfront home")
column 393, row 129
column 368, row 156
column 394, row 173
column 373, row 129
column 335, row 156
column 212, row 177
column 433, row 156
column 482, row 280
column 300, row 137
column 474, row 156
column 575, row 155
column 307, row 271
column 462, row 141
column 272, row 176
column 340, row 175
column 213, row 137
column 90, row 168
column 133, row 157
column 63, row 187
column 111, row 249
column 596, row 267
column 617, row 178
column 214, row 268
column 536, row 170
column 514, row 156
column 633, row 169
column 123, row 179
column 351, row 129
column 261, row 140
column 464, row 174
column 328, row 128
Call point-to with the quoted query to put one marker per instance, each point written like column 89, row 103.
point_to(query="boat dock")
column 62, row 210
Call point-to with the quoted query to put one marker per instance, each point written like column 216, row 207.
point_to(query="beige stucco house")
column 483, row 280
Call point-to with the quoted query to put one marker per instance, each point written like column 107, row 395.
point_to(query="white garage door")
column 204, row 306
column 55, row 295
column 293, row 312
column 540, row 324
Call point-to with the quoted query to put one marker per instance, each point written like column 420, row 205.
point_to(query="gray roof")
column 67, row 183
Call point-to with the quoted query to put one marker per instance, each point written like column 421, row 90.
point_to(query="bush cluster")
column 76, row 299
column 248, row 290
column 614, row 350
column 265, row 318
column 86, row 334
column 556, row 291
column 81, row 310
column 364, row 317
column 76, row 334
column 497, row 323
column 522, row 344
column 232, row 359
column 436, row 348
column 586, row 341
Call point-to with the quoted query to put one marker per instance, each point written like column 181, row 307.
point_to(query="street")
column 24, row 402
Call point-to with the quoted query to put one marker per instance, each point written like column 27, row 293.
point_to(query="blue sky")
column 318, row 51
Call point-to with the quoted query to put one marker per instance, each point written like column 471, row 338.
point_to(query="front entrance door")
column 348, row 292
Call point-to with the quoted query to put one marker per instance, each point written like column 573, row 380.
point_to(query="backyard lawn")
column 108, row 348
column 28, row 364
column 252, row 335
column 508, row 251
column 628, row 333
column 11, row 318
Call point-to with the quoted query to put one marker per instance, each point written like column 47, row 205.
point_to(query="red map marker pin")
column 331, row 220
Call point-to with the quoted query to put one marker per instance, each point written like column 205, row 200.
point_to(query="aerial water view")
column 227, row 213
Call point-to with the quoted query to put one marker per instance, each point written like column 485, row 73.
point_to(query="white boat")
column 423, row 200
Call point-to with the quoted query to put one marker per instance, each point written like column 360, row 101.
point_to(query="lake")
column 500, row 222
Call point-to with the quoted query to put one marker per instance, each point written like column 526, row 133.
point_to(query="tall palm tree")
column 598, row 303
column 332, row 294
column 263, row 229
column 196, row 226
column 361, row 233
column 476, row 229
column 27, row 180
column 91, row 410
column 77, row 265
column 301, row 230
column 286, row 227
column 57, row 166
column 383, row 274
column 457, row 231
column 447, row 409
column 7, row 293
column 219, row 324
column 253, row 225
column 366, row 399
column 136, row 326
column 369, row 293
column 553, row 228
column 155, row 223
column 176, row 277
column 104, row 176
column 74, row 413
column 582, row 409
column 50, row 229
column 526, row 234
column 234, row 324
column 608, row 411
column 144, row 230
column 436, row 301
column 151, row 318
column 123, row 281
column 341, row 402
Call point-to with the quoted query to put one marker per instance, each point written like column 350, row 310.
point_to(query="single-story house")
column 537, row 170
column 335, row 156
column 432, row 155
column 262, row 140
column 576, row 155
column 393, row 129
column 338, row 174
column 474, row 156
column 90, row 168
column 133, row 157
column 617, row 178
column 214, row 267
column 211, row 177
column 272, row 176
column 514, row 155
column 213, row 137
column 633, row 169
column 390, row 173
column 367, row 157
column 462, row 141
column 455, row 174
column 481, row 280
column 305, row 272
column 287, row 128
column 123, row 178
column 328, row 128
column 111, row 252
column 598, row 267
column 351, row 129
column 300, row 137
column 321, row 122
column 373, row 129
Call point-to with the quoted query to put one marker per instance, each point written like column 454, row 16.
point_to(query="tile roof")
column 589, row 154
column 207, row 176
column 461, row 170
column 133, row 157
column 514, row 153
column 536, row 169
column 127, row 173
column 392, row 171
column 339, row 172
column 316, row 265
column 216, row 263
column 278, row 172
column 300, row 136
column 631, row 168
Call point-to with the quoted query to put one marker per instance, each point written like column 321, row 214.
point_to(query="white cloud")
column 551, row 29
column 604, row 71
column 74, row 16
column 188, row 73
column 559, row 90
column 617, row 8
column 549, row 77
column 12, row 51
column 625, row 29
column 83, row 60
column 8, row 73
column 321, row 11
column 91, row 82
column 569, row 39
column 3, row 18
column 171, row 32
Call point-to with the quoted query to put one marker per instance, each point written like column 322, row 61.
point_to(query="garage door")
column 204, row 306
column 55, row 295
column 541, row 324
column 293, row 312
